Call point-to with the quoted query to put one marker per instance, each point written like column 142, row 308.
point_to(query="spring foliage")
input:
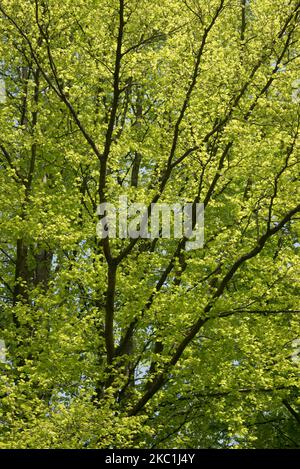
column 142, row 343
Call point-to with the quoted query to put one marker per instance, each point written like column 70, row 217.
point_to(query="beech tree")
column 137, row 342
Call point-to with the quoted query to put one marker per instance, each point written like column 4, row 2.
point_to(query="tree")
column 139, row 342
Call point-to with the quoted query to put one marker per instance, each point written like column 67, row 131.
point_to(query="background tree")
column 134, row 342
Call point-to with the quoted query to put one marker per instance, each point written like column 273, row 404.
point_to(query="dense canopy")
column 143, row 343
